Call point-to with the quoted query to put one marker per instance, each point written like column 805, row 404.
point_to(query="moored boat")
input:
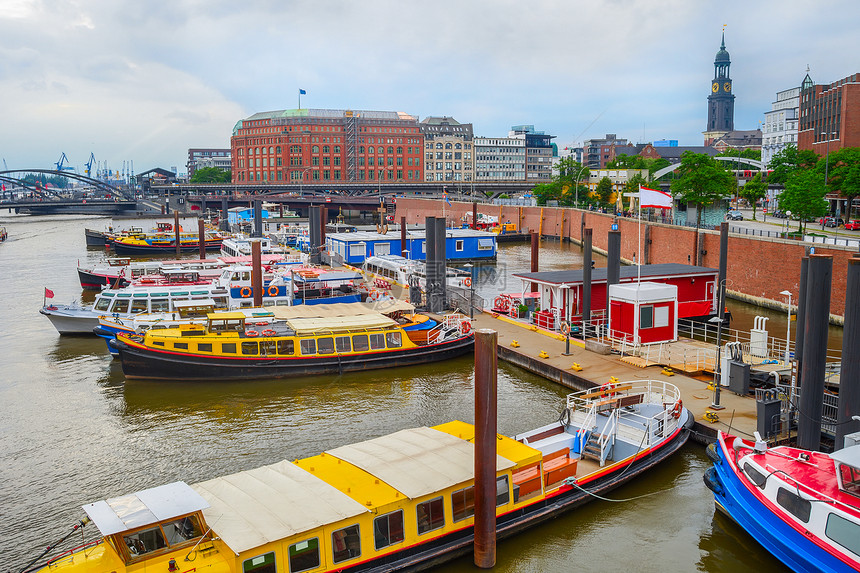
column 230, row 347
column 3, row 234
column 403, row 501
column 802, row 506
column 165, row 243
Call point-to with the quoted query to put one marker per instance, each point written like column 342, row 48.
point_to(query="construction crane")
column 89, row 164
column 61, row 166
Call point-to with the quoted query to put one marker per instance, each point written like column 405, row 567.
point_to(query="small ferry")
column 802, row 506
column 231, row 347
column 406, row 272
column 403, row 501
column 150, row 244
column 241, row 245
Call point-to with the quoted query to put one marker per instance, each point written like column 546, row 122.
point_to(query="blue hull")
column 783, row 541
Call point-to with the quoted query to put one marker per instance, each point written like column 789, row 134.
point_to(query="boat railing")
column 607, row 438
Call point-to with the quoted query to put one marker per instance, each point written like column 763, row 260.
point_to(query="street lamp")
column 576, row 185
column 787, row 324
column 787, row 222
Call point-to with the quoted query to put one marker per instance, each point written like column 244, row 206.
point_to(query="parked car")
column 734, row 216
column 853, row 225
column 833, row 222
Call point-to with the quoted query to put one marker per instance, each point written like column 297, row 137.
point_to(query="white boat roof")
column 312, row 325
column 849, row 456
column 144, row 507
column 254, row 507
column 416, row 461
column 340, row 309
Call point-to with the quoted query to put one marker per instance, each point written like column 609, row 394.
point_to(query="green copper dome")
column 722, row 55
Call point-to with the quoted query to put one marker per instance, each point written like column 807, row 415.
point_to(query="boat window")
column 377, row 341
column 503, row 492
column 204, row 347
column 159, row 305
column 249, row 348
column 228, row 348
column 325, row 345
column 267, row 347
column 430, row 515
column 158, row 343
column 102, row 304
column 794, row 504
column 388, row 529
column 359, row 343
column 305, row 555
column 145, row 541
column 345, row 543
column 308, row 346
column 850, row 479
column 182, row 530
column 120, row 305
column 138, row 305
column 180, row 345
column 393, row 340
column 458, row 245
column 342, row 343
column 262, row 564
column 285, row 347
column 754, row 475
column 463, row 503
column 844, row 532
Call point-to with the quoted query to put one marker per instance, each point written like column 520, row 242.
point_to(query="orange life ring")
column 245, row 292
column 261, row 323
column 502, row 303
column 565, row 328
column 465, row 327
column 606, row 390
column 676, row 410
column 268, row 332
column 272, row 290
column 251, row 333
column 467, row 281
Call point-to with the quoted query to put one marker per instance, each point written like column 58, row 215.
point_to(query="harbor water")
column 74, row 431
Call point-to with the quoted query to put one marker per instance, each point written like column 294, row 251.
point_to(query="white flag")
column 654, row 198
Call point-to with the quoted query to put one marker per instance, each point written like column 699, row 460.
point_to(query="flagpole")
column 639, row 239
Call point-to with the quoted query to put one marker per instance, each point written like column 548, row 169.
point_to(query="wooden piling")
column 486, row 362
column 201, row 238
column 257, row 272
column 176, row 233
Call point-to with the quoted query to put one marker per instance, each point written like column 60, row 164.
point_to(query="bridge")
column 753, row 162
column 99, row 198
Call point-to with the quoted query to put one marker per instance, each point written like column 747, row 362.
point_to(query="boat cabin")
column 847, row 462
column 461, row 245
column 151, row 522
column 561, row 291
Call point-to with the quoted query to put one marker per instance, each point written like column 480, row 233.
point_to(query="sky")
column 141, row 82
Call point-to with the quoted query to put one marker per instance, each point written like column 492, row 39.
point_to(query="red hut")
column 643, row 313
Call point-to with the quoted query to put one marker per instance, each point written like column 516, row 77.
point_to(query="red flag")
column 49, row 293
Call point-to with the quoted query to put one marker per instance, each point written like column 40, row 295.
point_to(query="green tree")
column 544, row 192
column 754, row 190
column 787, row 161
column 604, row 191
column 210, row 175
column 843, row 172
column 744, row 153
column 625, row 161
column 702, row 181
column 804, row 196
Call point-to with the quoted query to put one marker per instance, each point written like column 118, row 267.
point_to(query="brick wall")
column 757, row 267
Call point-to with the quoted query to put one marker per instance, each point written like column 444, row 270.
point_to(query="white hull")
column 72, row 321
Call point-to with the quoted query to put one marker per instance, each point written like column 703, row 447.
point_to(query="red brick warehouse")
column 322, row 145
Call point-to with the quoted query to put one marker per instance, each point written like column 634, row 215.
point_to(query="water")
column 73, row 431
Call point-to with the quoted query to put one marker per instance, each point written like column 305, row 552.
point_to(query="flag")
column 445, row 196
column 49, row 293
column 654, row 198
column 302, row 92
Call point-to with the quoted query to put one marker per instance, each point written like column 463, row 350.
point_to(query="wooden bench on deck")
column 558, row 466
column 528, row 478
column 599, row 393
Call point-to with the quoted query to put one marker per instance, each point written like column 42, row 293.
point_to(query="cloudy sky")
column 143, row 81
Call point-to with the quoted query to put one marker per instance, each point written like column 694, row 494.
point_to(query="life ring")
column 676, row 410
column 467, row 281
column 502, row 303
column 565, row 328
column 261, row 323
column 245, row 292
column 251, row 333
column 606, row 390
column 465, row 327
column 272, row 290
column 268, row 332
column 145, row 280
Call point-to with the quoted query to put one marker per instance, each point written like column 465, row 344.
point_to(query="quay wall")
column 759, row 268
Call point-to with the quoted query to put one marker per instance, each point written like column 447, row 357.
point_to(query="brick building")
column 829, row 115
column 322, row 145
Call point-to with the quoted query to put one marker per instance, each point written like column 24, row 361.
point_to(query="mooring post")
column 404, row 250
column 613, row 263
column 258, row 219
column 225, row 208
column 849, row 375
column 814, row 351
column 176, row 232
column 257, row 273
column 587, row 259
column 486, row 341
column 475, row 215
column 534, row 256
column 201, row 238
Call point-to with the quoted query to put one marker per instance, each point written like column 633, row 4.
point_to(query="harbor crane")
column 89, row 163
column 62, row 161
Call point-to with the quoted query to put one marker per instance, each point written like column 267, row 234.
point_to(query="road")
column 774, row 226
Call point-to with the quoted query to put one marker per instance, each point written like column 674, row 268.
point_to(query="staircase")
column 592, row 449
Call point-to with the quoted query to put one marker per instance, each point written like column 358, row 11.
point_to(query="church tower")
column 721, row 102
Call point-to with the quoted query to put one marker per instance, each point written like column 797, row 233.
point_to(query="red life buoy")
column 273, row 291
column 467, row 282
column 465, row 327
column 676, row 410
column 251, row 333
column 268, row 332
column 261, row 323
column 565, row 328
column 606, row 390
column 245, row 292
